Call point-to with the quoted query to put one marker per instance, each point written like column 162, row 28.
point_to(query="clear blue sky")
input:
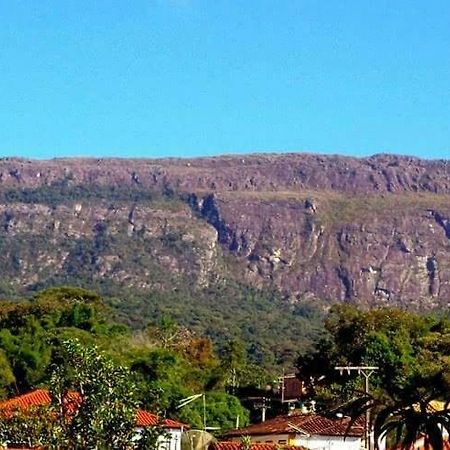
column 202, row 77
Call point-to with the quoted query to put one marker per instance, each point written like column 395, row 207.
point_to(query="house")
column 231, row 445
column 42, row 398
column 311, row 431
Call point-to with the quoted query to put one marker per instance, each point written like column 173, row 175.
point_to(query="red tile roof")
column 41, row 397
column 146, row 419
column 309, row 424
column 226, row 445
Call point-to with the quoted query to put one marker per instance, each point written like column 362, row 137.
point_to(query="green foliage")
column 163, row 376
column 93, row 406
column 7, row 377
column 236, row 370
column 246, row 442
column 273, row 330
column 105, row 414
column 221, row 409
column 31, row 329
column 403, row 423
column 412, row 353
column 150, row 437
column 64, row 191
column 167, row 362
column 34, row 427
column 410, row 350
column 410, row 423
column 189, row 365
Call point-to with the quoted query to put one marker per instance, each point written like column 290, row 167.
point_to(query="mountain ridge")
column 378, row 173
column 323, row 228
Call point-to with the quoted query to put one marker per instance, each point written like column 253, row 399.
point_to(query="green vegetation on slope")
column 64, row 191
column 412, row 353
column 274, row 330
column 167, row 362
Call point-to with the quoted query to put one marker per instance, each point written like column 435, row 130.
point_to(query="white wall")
column 170, row 442
column 328, row 442
column 272, row 438
column 312, row 442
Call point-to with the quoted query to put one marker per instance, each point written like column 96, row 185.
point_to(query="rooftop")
column 308, row 424
column 226, row 445
column 41, row 397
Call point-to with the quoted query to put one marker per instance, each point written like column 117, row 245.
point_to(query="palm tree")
column 404, row 423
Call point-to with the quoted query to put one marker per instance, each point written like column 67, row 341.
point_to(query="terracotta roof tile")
column 309, row 424
column 41, row 397
column 145, row 419
column 227, row 445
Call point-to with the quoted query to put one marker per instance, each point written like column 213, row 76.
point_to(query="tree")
column 412, row 352
column 234, row 364
column 6, row 373
column 93, row 407
column 221, row 410
column 31, row 331
column 402, row 423
column 104, row 415
column 34, row 427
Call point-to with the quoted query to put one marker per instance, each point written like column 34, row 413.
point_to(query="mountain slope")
column 313, row 227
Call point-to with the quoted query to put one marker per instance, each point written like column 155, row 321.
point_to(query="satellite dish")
column 196, row 440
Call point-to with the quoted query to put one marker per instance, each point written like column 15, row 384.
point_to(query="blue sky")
column 203, row 77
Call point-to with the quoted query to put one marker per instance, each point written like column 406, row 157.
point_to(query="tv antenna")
column 191, row 398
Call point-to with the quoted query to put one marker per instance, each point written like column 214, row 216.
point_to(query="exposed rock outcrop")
column 369, row 231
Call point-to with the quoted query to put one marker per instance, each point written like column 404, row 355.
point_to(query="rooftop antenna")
column 190, row 399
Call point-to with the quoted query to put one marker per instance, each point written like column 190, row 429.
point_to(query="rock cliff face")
column 369, row 231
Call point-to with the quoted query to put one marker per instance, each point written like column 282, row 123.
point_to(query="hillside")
column 309, row 229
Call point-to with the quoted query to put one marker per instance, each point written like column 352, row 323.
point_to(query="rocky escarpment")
column 288, row 172
column 371, row 249
column 140, row 246
column 369, row 231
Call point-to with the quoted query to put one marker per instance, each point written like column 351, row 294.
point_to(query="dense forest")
column 167, row 361
column 170, row 361
column 411, row 351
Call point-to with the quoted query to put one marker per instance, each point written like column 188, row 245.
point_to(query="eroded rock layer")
column 331, row 228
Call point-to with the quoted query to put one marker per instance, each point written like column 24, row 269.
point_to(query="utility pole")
column 366, row 372
column 264, row 409
column 261, row 403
